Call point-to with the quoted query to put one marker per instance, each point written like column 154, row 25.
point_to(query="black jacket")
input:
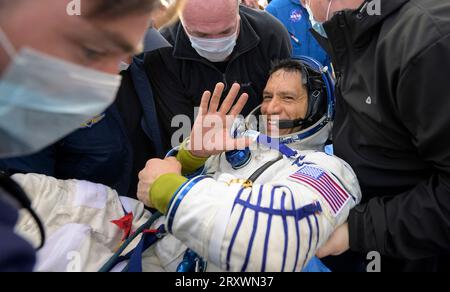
column 393, row 127
column 179, row 76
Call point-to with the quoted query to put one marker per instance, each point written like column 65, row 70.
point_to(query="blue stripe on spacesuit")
column 299, row 163
column 276, row 144
column 269, row 224
column 318, row 231
column 297, row 231
column 300, row 214
column 177, row 199
column 283, row 211
column 252, row 238
column 310, row 240
column 238, row 226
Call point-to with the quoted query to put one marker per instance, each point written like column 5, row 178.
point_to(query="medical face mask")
column 43, row 99
column 214, row 50
column 123, row 66
column 318, row 26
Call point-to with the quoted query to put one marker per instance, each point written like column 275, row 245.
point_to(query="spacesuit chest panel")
column 258, row 159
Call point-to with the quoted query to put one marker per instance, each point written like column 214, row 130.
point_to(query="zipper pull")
column 296, row 40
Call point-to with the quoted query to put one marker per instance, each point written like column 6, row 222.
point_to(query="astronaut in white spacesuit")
column 267, row 208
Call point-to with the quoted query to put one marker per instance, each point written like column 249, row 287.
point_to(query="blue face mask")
column 318, row 26
column 43, row 99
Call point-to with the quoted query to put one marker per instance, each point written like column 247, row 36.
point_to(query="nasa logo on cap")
column 296, row 15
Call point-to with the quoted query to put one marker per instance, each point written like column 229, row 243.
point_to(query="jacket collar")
column 247, row 40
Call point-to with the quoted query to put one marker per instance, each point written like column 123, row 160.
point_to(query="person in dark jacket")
column 392, row 126
column 116, row 140
column 215, row 41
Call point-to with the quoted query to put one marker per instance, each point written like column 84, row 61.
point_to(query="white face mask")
column 318, row 26
column 43, row 99
column 214, row 50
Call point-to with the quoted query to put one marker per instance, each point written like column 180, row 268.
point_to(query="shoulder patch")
column 332, row 193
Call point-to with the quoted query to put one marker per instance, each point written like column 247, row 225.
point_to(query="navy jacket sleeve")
column 16, row 255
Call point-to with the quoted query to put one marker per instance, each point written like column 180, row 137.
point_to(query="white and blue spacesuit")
column 271, row 208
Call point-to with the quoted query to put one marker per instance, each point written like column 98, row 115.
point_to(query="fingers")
column 229, row 100
column 324, row 251
column 143, row 190
column 239, row 106
column 215, row 100
column 337, row 244
column 205, row 102
column 174, row 161
column 171, row 159
column 227, row 104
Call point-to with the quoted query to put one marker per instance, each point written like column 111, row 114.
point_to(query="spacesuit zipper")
column 263, row 168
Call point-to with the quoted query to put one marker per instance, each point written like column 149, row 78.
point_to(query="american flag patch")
column 334, row 195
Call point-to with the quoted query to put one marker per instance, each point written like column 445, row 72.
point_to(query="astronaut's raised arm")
column 277, row 225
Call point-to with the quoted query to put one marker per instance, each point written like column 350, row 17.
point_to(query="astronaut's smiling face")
column 284, row 98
